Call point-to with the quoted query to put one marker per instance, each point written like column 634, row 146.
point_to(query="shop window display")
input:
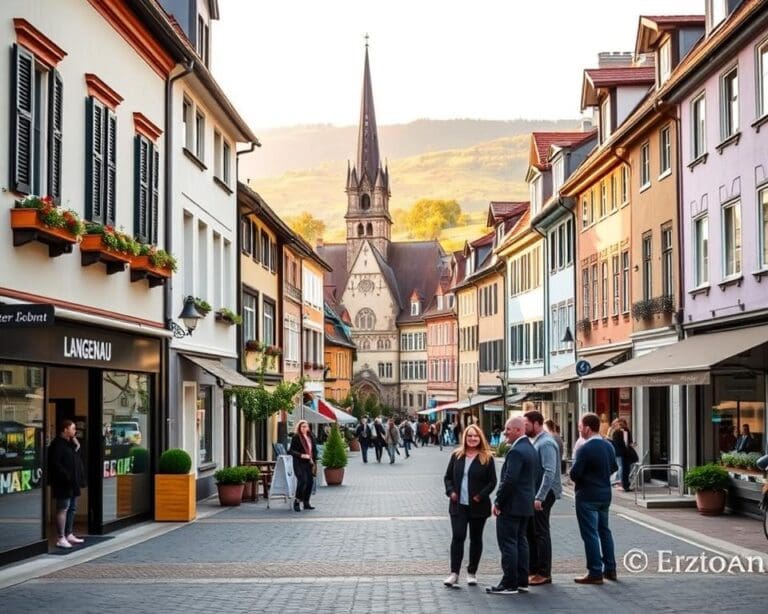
column 739, row 401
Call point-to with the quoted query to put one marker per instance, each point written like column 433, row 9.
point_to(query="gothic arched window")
column 366, row 345
column 359, row 230
column 365, row 202
column 387, row 344
column 369, row 229
column 380, row 344
column 365, row 319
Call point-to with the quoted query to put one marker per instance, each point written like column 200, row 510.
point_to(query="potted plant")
column 37, row 218
column 710, row 483
column 175, row 487
column 102, row 243
column 251, row 474
column 153, row 264
column 253, row 345
column 352, row 441
column 230, row 482
column 228, row 316
column 334, row 457
column 202, row 306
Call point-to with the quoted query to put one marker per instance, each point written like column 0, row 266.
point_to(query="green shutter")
column 154, row 201
column 141, row 191
column 22, row 95
column 94, row 160
column 55, row 117
column 110, row 167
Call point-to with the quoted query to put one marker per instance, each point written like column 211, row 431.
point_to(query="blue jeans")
column 391, row 447
column 70, row 505
column 598, row 541
column 407, row 446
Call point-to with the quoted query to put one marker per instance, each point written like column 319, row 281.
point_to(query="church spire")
column 367, row 137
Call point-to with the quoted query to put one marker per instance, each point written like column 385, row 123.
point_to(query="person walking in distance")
column 363, row 434
column 66, row 475
column 377, row 438
column 469, row 481
column 550, row 489
column 591, row 474
column 407, row 437
column 514, row 507
column 392, row 439
column 304, row 452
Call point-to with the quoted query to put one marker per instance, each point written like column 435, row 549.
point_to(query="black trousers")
column 379, row 445
column 539, row 540
column 364, row 445
column 513, row 543
column 626, row 466
column 303, row 472
column 460, row 521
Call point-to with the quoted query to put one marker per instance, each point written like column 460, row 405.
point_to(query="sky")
column 292, row 62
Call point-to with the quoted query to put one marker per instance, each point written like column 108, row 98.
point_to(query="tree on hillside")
column 428, row 217
column 307, row 226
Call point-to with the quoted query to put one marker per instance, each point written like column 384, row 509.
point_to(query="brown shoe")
column 539, row 580
column 589, row 580
column 611, row 575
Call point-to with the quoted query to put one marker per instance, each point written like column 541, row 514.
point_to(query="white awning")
column 342, row 417
column 221, row 372
column 310, row 415
column 477, row 399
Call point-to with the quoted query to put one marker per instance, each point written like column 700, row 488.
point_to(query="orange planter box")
column 142, row 268
column 27, row 226
column 94, row 250
column 175, row 498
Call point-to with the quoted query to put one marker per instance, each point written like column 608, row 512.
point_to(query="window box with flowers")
column 228, row 316
column 37, row 218
column 584, row 325
column 253, row 345
column 154, row 265
column 102, row 243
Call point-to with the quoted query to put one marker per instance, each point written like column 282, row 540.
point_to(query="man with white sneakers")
column 65, row 475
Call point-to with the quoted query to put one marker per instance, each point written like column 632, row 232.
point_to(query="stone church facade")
column 383, row 286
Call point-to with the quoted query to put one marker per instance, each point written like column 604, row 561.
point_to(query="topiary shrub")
column 231, row 475
column 334, row 451
column 140, row 458
column 250, row 473
column 707, row 477
column 174, row 461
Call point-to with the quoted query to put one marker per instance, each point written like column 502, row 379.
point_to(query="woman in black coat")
column 469, row 482
column 304, row 451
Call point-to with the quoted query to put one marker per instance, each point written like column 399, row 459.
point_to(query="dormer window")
column 449, row 301
column 499, row 233
column 717, row 11
column 558, row 175
column 439, row 301
column 535, row 194
column 665, row 60
column 605, row 119
column 203, row 41
column 468, row 265
column 415, row 308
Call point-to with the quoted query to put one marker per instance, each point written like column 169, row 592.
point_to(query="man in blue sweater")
column 591, row 473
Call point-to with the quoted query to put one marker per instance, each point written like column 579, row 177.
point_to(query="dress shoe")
column 307, row 506
column 611, row 575
column 589, row 580
column 296, row 506
column 539, row 580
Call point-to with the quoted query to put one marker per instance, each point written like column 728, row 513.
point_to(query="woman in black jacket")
column 469, row 482
column 304, row 451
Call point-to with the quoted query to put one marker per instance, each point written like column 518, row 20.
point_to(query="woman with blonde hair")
column 469, row 481
column 304, row 451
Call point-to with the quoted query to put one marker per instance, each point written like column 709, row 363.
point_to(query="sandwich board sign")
column 283, row 480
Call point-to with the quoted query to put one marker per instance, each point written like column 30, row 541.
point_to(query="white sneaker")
column 74, row 540
column 63, row 543
column 471, row 579
column 451, row 580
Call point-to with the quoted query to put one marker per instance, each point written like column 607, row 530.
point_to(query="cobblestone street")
column 377, row 544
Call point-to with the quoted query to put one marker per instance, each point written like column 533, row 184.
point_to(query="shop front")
column 106, row 382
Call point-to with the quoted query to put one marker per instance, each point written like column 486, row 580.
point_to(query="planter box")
column 132, row 493
column 93, row 250
column 175, row 498
column 142, row 268
column 27, row 227
column 746, row 489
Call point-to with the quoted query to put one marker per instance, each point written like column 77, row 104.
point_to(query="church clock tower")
column 367, row 188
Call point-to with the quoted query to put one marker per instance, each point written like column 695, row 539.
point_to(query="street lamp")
column 568, row 336
column 189, row 315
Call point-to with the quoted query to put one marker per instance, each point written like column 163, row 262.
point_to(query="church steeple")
column 367, row 182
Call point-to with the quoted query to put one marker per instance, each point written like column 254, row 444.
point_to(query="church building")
column 384, row 286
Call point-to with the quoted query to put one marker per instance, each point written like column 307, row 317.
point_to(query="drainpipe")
column 168, row 242
column 572, row 213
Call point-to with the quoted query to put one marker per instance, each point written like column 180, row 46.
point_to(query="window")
column 665, row 151
column 202, row 41
column 246, row 234
column 591, row 206
column 200, row 136
column 716, row 12
column 614, row 193
column 605, row 119
column 595, row 293
column 624, row 184
column 189, row 127
column 216, row 154
column 616, row 272
column 729, row 104
column 701, row 251
column 558, row 175
column 250, row 311
column 647, row 267
column 291, row 341
column 266, row 249
column 226, row 162
column 415, row 305
column 665, row 60
column 585, row 292
column 666, row 261
column 204, row 425
column 625, row 282
column 365, row 319
column 732, row 240
column 762, row 203
column 584, row 213
column 268, row 334
column 604, row 288
column 147, row 192
column 645, row 165
column 698, row 128
column 603, row 199
column 762, row 80
column 100, row 162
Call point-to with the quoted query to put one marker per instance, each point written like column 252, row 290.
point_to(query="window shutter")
column 55, row 117
column 141, row 191
column 110, row 177
column 22, row 92
column 94, row 161
column 154, row 218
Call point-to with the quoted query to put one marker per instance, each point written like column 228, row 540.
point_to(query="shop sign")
column 20, row 480
column 87, row 349
column 25, row 316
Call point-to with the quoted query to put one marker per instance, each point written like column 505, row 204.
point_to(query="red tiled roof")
column 652, row 27
column 542, row 141
column 484, row 240
column 621, row 75
column 503, row 210
column 675, row 20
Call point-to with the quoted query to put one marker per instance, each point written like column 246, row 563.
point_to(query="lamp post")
column 189, row 315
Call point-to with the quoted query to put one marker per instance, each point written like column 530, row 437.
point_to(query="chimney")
column 586, row 124
column 614, row 59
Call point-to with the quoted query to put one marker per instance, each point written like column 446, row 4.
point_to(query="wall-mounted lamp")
column 568, row 336
column 189, row 315
column 470, row 392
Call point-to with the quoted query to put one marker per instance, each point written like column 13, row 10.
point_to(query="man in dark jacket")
column 514, row 507
column 363, row 434
column 591, row 473
column 65, row 475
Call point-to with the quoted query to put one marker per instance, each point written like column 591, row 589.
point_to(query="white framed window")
column 761, row 80
column 200, row 135
column 729, row 104
column 645, row 165
column 268, row 336
column 250, row 311
column 665, row 60
column 647, row 266
column 701, row 250
column 731, row 222
column 625, row 281
column 585, row 302
column 415, row 306
column 292, row 335
column 698, row 127
column 665, row 151
column 189, row 126
column 716, row 10
column 595, row 293
column 667, row 288
column 604, row 288
column 603, row 199
column 216, row 153
column 616, row 273
column 558, row 175
column 624, row 184
column 605, row 119
column 584, row 213
column 614, row 193
column 762, row 203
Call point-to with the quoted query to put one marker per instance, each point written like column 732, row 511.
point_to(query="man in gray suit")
column 514, row 507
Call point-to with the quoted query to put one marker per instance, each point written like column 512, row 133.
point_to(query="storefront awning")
column 221, row 372
column 311, row 416
column 477, row 399
column 334, row 413
column 559, row 380
column 687, row 362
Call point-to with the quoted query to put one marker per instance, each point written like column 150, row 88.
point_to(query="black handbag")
column 631, row 455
